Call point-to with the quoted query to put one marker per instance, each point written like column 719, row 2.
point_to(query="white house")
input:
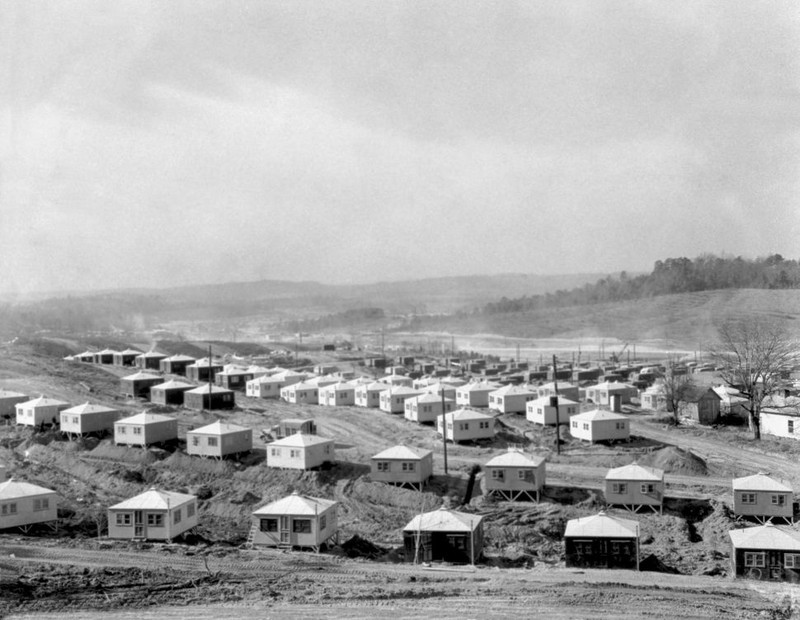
column 87, row 418
column 425, row 408
column 763, row 498
column 511, row 398
column 369, row 394
column 339, row 394
column 514, row 475
column 153, row 515
column 466, row 425
column 397, row 380
column 565, row 390
column 635, row 487
column 144, row 429
column 270, row 386
column 40, row 411
column 393, row 400
column 599, row 425
column 475, row 394
column 23, row 505
column 219, row 439
column 296, row 521
column 300, row 451
column 543, row 410
column 302, row 393
column 601, row 393
column 403, row 466
column 654, row 398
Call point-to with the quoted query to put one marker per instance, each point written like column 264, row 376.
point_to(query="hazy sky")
column 164, row 143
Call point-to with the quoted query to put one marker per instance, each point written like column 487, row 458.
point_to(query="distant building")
column 602, row 393
column 270, row 386
column 403, row 466
column 635, row 487
column 153, row 515
column 233, row 378
column 218, row 440
column 301, row 394
column 209, row 397
column 138, row 385
column 393, row 400
column 701, row 404
column 543, row 410
column 40, row 411
column 176, row 364
column 475, row 394
column 340, row 394
column 766, row 552
column 150, row 360
column 425, row 408
column 511, row 398
column 203, row 370
column 565, row 390
column 444, row 536
column 86, row 418
column 106, row 356
column 300, row 451
column 145, row 429
column 126, row 357
column 602, row 541
column 514, row 476
column 169, row 393
column 369, row 394
column 296, row 521
column 598, row 425
column 466, row 425
column 8, row 402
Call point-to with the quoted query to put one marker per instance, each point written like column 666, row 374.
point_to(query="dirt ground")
column 523, row 568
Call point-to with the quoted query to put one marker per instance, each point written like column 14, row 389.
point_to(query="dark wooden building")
column 126, row 357
column 209, row 397
column 701, row 404
column 176, row 364
column 150, row 360
column 138, row 385
column 602, row 541
column 444, row 536
column 203, row 370
column 766, row 552
column 169, row 393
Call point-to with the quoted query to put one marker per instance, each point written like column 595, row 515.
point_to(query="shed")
column 543, row 410
column 296, row 521
column 169, row 392
column 403, row 466
column 300, row 451
column 106, row 356
column 40, row 411
column 514, row 476
column 598, row 425
column 763, row 498
column 176, row 364
column 87, row 418
column 511, row 398
column 138, row 385
column 153, row 515
column 233, row 378
column 780, row 422
column 766, row 552
column 23, row 505
column 203, row 370
column 209, row 397
column 444, row 535
column 218, row 440
column 602, row 541
column 368, row 394
column 150, row 360
column 635, row 487
column 701, row 404
column 145, row 429
column 654, row 398
column 301, row 393
column 475, row 394
column 338, row 394
column 8, row 402
column 126, row 357
column 731, row 401
column 425, row 408
column 393, row 400
column 86, row 356
column 466, row 425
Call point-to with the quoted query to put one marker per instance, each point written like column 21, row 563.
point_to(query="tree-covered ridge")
column 671, row 276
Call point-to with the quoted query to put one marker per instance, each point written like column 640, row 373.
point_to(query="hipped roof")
column 145, row 418
column 467, row 414
column 300, row 440
column 634, row 471
column 402, row 452
column 597, row 415
column 154, row 499
column 444, row 520
column 602, row 526
column 87, row 408
column 296, row 504
column 760, row 482
column 767, row 536
column 204, row 389
column 142, row 376
column 11, row 489
column 515, row 458
column 42, row 402
column 174, row 385
column 219, row 428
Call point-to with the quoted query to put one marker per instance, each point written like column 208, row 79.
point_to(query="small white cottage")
column 339, row 394
column 393, row 400
column 403, row 466
column 514, row 476
column 301, row 393
column 300, row 451
column 425, row 408
column 635, row 487
column 543, row 410
column 218, row 440
column 296, row 521
column 511, row 398
column 466, row 425
column 369, row 394
column 475, row 394
column 145, row 429
column 86, row 418
column 153, row 515
column 599, row 425
column 763, row 498
column 23, row 505
column 40, row 411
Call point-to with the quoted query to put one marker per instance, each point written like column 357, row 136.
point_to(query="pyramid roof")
column 296, row 504
column 611, row 385
column 219, row 428
column 144, row 418
column 467, row 414
column 515, row 458
column 545, row 400
column 767, row 536
column 596, row 415
column 374, row 386
column 204, row 389
column 13, row 489
column 153, row 499
column 402, row 452
column 602, row 525
column 513, row 389
column 87, row 408
column 300, row 440
column 174, row 385
column 430, row 397
column 10, row 394
column 634, row 471
column 760, row 482
column 129, row 351
column 178, row 357
column 152, row 354
column 42, row 402
column 443, row 520
column 480, row 386
column 141, row 376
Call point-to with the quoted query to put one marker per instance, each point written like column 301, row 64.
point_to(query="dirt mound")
column 676, row 461
column 357, row 547
column 652, row 563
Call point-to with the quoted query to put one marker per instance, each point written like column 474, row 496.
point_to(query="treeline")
column 674, row 275
column 347, row 318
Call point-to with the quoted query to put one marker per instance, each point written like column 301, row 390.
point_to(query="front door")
column 284, row 528
column 138, row 524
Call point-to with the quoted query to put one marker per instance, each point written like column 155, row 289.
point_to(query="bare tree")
column 677, row 384
column 751, row 355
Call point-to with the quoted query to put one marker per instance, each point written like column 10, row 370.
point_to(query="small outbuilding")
column 150, row 360
column 763, row 498
column 543, row 410
column 514, row 476
column 23, row 505
column 511, row 398
column 766, row 552
column 465, row 425
column 444, row 536
column 203, row 370
column 40, row 411
column 701, row 404
column 599, row 425
column 296, row 521
column 403, row 466
column 176, row 364
column 126, row 357
column 219, row 439
column 145, row 429
column 86, row 418
column 300, row 451
column 602, row 541
column 106, row 356
column 169, row 392
column 291, row 426
column 209, row 397
column 369, row 394
column 635, row 487
column 138, row 385
column 153, row 515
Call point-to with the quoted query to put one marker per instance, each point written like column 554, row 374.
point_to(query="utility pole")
column 444, row 429
column 210, row 379
column 555, row 402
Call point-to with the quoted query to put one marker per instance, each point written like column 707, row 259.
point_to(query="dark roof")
column 693, row 394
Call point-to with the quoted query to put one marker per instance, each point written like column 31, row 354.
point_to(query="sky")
column 169, row 143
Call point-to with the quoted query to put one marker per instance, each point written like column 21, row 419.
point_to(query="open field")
column 524, row 555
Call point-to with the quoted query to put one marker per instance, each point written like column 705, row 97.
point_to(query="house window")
column 619, row 488
column 123, row 518
column 155, row 520
column 464, row 426
column 383, row 466
column 269, row 525
column 484, row 424
column 426, row 408
column 213, row 442
column 524, row 474
column 648, row 488
column 294, row 454
column 755, row 559
column 790, row 426
column 122, row 430
column 301, row 526
column 574, row 425
column 791, row 560
column 74, row 419
column 583, row 547
column 323, row 522
column 748, row 498
column 620, row 425
column 195, row 440
column 190, row 509
column 408, row 466
column 498, row 474
column 41, row 504
column 176, row 516
column 274, row 451
column 137, row 430
column 778, row 500
column 585, row 426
